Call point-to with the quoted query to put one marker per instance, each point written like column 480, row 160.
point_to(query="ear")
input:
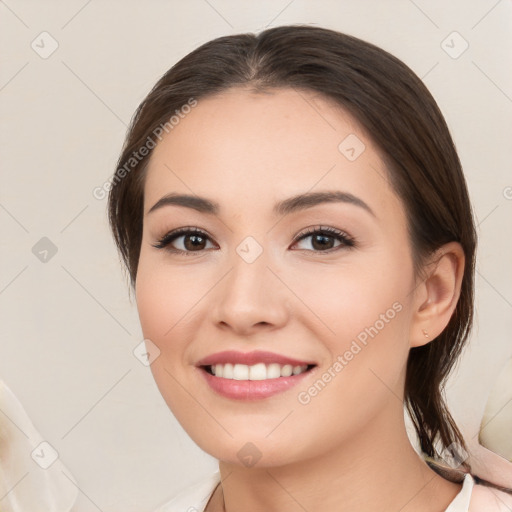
column 437, row 295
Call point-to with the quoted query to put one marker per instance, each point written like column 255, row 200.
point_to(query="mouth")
column 256, row 372
column 252, row 375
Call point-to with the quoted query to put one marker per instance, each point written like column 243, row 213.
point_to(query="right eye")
column 192, row 240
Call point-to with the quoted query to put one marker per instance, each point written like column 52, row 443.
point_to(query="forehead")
column 241, row 147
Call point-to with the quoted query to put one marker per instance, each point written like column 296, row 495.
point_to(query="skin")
column 347, row 449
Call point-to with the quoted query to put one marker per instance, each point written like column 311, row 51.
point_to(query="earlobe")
column 438, row 294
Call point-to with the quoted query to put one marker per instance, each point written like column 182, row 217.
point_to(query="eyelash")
column 346, row 240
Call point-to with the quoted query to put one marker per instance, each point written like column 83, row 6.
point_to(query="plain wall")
column 68, row 328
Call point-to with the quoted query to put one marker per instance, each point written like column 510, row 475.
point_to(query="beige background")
column 68, row 328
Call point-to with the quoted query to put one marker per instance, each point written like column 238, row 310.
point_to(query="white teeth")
column 297, row 370
column 241, row 372
column 273, row 371
column 227, row 370
column 286, row 370
column 259, row 371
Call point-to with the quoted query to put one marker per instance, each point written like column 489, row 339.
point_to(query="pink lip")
column 251, row 389
column 250, row 358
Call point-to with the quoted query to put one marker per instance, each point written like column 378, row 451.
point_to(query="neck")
column 376, row 470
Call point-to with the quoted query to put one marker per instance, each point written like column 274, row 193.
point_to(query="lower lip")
column 252, row 389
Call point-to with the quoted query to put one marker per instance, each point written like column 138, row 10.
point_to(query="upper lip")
column 249, row 358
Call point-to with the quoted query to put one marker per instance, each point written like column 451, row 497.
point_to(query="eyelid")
column 326, row 230
column 164, row 241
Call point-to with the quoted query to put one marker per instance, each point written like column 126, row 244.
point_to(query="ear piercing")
column 425, row 333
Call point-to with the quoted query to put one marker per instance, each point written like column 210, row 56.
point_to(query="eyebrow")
column 284, row 207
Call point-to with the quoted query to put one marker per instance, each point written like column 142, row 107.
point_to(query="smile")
column 260, row 371
column 252, row 375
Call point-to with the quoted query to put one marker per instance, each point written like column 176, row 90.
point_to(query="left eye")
column 322, row 238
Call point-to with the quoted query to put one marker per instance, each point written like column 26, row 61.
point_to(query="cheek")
column 363, row 377
column 154, row 301
column 161, row 302
column 364, row 297
column 165, row 296
column 170, row 304
column 362, row 316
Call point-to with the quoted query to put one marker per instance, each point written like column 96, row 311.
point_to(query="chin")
column 249, row 451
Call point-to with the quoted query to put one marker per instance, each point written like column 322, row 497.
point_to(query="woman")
column 297, row 229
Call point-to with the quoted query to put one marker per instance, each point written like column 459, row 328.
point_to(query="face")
column 312, row 282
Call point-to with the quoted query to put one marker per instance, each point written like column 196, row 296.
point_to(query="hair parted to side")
column 401, row 117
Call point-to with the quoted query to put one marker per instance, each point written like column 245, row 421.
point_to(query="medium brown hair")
column 401, row 117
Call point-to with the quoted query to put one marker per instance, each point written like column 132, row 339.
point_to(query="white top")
column 483, row 499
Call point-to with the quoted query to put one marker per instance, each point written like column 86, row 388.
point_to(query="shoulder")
column 488, row 499
column 194, row 497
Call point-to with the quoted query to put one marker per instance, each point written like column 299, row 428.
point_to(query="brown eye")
column 322, row 239
column 184, row 241
column 194, row 242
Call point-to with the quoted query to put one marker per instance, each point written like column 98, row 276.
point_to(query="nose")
column 251, row 297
